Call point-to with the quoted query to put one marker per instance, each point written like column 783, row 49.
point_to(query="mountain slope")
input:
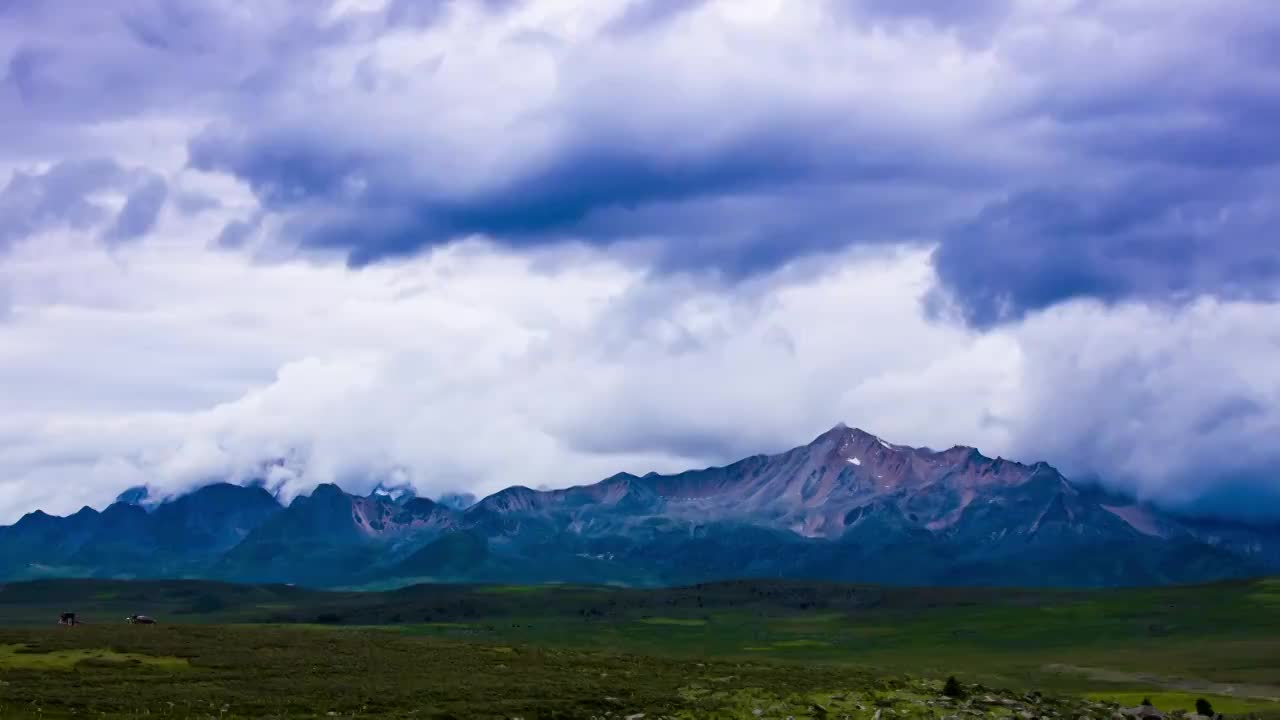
column 177, row 538
column 847, row 506
column 349, row 534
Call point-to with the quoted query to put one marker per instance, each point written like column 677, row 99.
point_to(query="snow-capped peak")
column 394, row 493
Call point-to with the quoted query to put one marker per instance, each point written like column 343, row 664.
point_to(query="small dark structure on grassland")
column 68, row 619
column 140, row 620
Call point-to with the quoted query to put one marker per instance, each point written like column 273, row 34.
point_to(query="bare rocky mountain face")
column 848, row 506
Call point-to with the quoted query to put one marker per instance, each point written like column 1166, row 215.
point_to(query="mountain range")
column 848, row 506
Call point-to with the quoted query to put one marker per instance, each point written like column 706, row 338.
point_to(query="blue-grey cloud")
column 62, row 196
column 765, row 196
column 1069, row 212
column 1147, row 238
column 640, row 15
column 68, row 195
column 1077, row 216
column 140, row 211
column 235, row 234
column 149, row 59
column 422, row 13
column 974, row 20
column 192, row 203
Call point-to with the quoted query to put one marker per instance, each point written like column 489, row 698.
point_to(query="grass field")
column 728, row 650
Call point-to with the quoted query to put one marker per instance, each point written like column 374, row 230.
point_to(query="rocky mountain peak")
column 847, row 506
column 457, row 500
column 842, row 439
column 398, row 494
column 136, row 495
column 328, row 492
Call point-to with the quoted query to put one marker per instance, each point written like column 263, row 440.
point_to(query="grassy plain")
column 725, row 649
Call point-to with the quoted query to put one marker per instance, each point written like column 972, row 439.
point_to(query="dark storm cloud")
column 1252, row 496
column 1147, row 238
column 1191, row 95
column 591, row 189
column 1083, row 219
column 1169, row 191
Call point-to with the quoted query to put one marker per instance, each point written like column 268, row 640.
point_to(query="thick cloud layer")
column 1107, row 151
column 474, row 369
column 1054, row 150
column 475, row 244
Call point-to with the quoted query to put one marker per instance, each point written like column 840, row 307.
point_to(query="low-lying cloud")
column 480, row 244
column 475, row 369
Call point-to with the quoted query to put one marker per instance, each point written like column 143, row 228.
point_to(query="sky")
column 462, row 245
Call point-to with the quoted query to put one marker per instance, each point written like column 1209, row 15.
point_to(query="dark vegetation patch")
column 267, row 672
column 786, row 648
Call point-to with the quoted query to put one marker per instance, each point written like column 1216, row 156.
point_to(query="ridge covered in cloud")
column 478, row 244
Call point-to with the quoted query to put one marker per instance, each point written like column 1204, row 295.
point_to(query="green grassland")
column 717, row 650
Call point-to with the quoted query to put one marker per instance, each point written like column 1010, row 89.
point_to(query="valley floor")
column 743, row 649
